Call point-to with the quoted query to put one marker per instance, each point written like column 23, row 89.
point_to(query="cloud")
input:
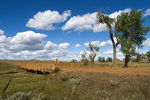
column 89, row 22
column 147, row 42
column 28, row 37
column 27, row 40
column 100, row 44
column 45, row 20
column 99, row 27
column 115, row 14
column 29, row 45
column 94, row 43
column 64, row 45
column 120, row 55
column 77, row 46
column 78, row 22
column 83, row 28
column 87, row 55
column 68, row 32
column 3, row 39
column 108, row 51
column 147, row 13
column 1, row 32
column 50, row 45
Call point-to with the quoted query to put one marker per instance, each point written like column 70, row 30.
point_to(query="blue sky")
column 50, row 29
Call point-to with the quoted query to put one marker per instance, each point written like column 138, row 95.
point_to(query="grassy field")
column 75, row 85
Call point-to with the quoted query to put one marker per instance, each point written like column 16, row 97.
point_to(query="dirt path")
column 131, row 71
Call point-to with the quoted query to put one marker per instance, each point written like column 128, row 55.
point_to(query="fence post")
column 56, row 61
column 81, row 63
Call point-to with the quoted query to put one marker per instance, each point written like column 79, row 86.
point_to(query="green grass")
column 93, row 85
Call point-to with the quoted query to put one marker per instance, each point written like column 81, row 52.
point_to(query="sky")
column 61, row 29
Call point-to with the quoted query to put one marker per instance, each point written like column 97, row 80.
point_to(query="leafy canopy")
column 130, row 31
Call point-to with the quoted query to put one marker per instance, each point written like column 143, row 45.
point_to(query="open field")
column 80, row 83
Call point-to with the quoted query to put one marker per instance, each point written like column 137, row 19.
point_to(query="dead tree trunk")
column 6, row 86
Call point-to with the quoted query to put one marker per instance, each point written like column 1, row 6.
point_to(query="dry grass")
column 93, row 85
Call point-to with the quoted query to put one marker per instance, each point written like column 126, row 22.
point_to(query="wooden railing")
column 44, row 67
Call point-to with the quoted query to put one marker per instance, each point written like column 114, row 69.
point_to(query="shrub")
column 19, row 96
column 64, row 77
column 114, row 83
column 73, row 75
column 74, row 82
column 38, row 98
column 56, row 69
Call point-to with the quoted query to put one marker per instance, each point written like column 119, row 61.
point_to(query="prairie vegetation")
column 75, row 85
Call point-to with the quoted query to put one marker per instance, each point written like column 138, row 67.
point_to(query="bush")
column 74, row 82
column 56, row 69
column 64, row 77
column 38, row 98
column 114, row 83
column 73, row 75
column 19, row 96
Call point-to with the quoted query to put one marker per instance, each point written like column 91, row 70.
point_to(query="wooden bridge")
column 43, row 67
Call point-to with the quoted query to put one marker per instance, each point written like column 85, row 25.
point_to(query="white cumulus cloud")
column 77, row 46
column 108, row 51
column 147, row 12
column 120, row 55
column 45, row 20
column 147, row 42
column 83, row 28
column 1, row 32
column 89, row 22
column 63, row 45
column 80, row 21
column 27, row 40
column 50, row 45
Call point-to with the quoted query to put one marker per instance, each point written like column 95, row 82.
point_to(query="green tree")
column 130, row 31
column 138, row 57
column 103, row 59
column 109, row 22
column 148, row 55
column 100, row 59
column 109, row 59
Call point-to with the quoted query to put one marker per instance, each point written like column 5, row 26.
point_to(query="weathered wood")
column 6, row 86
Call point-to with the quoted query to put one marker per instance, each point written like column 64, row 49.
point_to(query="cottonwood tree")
column 105, row 19
column 130, row 31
